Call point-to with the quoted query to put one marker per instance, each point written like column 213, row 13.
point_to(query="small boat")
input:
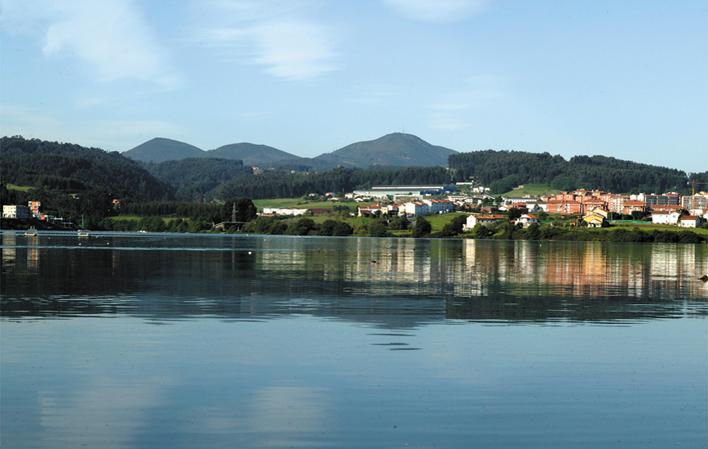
column 83, row 232
column 31, row 232
column 142, row 231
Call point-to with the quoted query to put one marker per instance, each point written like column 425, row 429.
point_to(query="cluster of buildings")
column 595, row 205
column 414, row 208
column 32, row 210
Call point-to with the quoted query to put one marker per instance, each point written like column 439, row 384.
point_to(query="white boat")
column 31, row 232
column 82, row 232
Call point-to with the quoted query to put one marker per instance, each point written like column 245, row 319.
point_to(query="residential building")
column 663, row 199
column 527, row 220
column 668, row 218
column 564, row 207
column 34, row 206
column 689, row 221
column 697, row 201
column 414, row 209
column 630, row 206
column 595, row 218
column 482, row 219
column 19, row 211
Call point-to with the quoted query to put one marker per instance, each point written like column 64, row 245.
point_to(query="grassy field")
column 658, row 227
column 437, row 222
column 300, row 203
column 531, row 189
column 18, row 188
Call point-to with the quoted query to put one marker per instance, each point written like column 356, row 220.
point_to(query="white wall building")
column 670, row 218
column 415, row 209
column 281, row 211
column 12, row 211
column 689, row 221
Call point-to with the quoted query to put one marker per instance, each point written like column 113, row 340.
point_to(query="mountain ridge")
column 389, row 150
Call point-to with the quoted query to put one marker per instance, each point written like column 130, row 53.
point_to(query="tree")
column 302, row 226
column 378, row 229
column 399, row 222
column 422, row 227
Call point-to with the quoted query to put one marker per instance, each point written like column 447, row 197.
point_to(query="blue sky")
column 622, row 78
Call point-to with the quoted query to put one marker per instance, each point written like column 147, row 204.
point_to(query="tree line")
column 504, row 170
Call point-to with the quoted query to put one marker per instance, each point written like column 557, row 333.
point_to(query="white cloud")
column 111, row 36
column 439, row 11
column 278, row 38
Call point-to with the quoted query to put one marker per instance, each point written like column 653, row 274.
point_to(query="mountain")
column 161, row 149
column 394, row 150
column 251, row 154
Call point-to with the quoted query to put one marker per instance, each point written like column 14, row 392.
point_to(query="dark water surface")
column 185, row 341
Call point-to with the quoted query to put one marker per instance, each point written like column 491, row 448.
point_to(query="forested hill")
column 161, row 149
column 503, row 170
column 194, row 177
column 391, row 150
column 69, row 168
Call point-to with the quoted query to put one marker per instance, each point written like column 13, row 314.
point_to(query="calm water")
column 179, row 341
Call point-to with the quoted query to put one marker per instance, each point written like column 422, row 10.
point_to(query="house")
column 527, row 220
column 482, row 219
column 689, row 221
column 34, row 206
column 595, row 218
column 669, row 218
column 18, row 212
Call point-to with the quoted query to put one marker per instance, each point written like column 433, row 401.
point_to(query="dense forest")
column 194, row 177
column 503, row 170
column 281, row 183
column 69, row 168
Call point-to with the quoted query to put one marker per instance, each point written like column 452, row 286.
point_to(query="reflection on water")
column 135, row 341
column 226, row 275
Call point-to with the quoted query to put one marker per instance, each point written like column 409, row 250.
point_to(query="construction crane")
column 694, row 183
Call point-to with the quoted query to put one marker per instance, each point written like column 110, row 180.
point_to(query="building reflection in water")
column 366, row 266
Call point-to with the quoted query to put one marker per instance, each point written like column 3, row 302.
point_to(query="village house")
column 482, row 219
column 414, row 209
column 596, row 218
column 689, row 221
column 527, row 220
column 671, row 218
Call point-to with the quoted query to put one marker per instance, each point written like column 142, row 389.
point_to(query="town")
column 592, row 208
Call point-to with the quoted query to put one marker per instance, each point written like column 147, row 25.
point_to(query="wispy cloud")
column 455, row 109
column 439, row 11
column 285, row 41
column 110, row 36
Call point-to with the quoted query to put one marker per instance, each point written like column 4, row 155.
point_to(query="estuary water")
column 216, row 341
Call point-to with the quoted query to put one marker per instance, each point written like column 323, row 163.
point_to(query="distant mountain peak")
column 161, row 149
column 393, row 149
